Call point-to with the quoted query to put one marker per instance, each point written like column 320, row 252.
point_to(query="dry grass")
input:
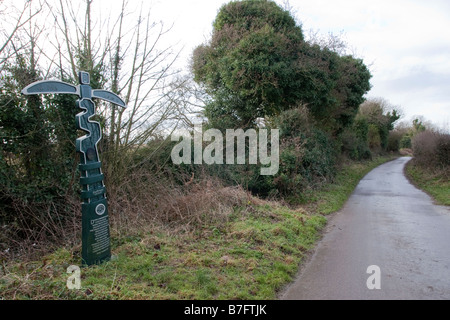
column 39, row 228
column 145, row 199
column 432, row 149
column 406, row 152
column 139, row 203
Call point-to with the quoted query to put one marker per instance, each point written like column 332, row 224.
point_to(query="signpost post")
column 95, row 219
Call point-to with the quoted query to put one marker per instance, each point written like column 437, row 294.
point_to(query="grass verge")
column 252, row 255
column 434, row 182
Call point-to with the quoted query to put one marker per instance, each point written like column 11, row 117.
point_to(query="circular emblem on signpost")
column 100, row 209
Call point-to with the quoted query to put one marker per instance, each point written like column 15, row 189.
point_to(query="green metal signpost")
column 95, row 220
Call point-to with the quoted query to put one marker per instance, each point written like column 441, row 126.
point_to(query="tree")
column 404, row 133
column 352, row 83
column 249, row 65
column 380, row 116
column 257, row 64
column 123, row 56
column 11, row 23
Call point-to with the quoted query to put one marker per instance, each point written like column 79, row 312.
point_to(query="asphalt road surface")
column 387, row 223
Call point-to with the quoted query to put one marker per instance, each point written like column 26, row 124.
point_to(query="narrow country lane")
column 389, row 223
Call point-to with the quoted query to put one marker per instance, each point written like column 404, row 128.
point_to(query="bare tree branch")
column 20, row 21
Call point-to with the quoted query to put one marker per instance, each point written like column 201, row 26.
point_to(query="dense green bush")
column 36, row 157
column 443, row 150
column 354, row 147
column 394, row 141
column 380, row 117
column 307, row 154
column 307, row 159
column 354, row 140
column 405, row 142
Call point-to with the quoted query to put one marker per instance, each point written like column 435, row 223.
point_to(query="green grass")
column 435, row 183
column 251, row 256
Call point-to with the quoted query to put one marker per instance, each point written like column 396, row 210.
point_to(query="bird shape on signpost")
column 95, row 219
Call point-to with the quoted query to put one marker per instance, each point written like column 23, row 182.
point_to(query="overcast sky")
column 405, row 42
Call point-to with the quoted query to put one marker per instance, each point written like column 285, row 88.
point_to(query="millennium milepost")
column 95, row 219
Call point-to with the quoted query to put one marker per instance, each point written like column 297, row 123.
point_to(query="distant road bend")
column 389, row 223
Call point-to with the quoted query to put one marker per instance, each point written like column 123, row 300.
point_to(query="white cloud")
column 406, row 43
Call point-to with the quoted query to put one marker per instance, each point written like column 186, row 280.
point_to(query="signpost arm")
column 50, row 87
